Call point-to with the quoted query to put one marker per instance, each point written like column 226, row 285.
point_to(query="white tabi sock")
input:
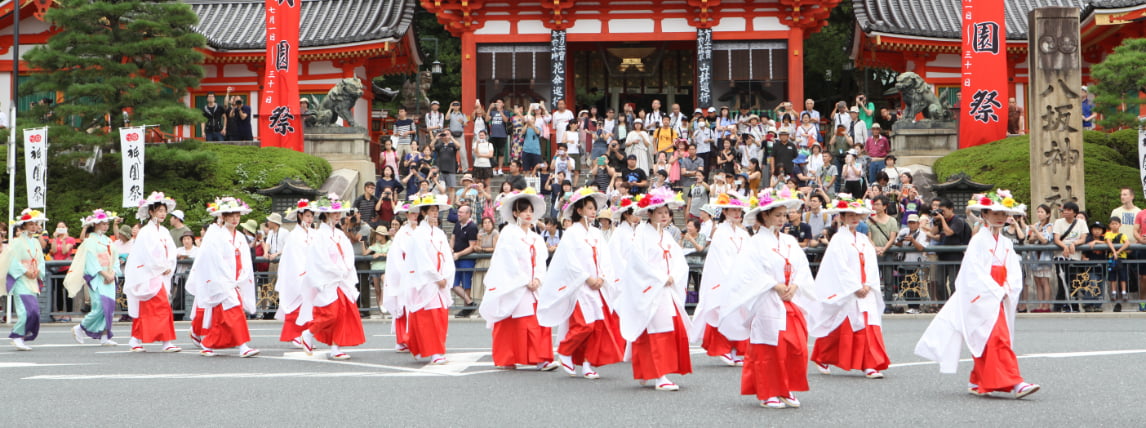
column 168, row 344
column 335, row 350
column 244, row 348
column 587, row 368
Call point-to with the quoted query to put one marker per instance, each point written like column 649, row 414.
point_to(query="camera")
column 936, row 213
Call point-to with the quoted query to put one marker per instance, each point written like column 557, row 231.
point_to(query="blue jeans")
column 464, row 279
column 214, row 136
column 874, row 168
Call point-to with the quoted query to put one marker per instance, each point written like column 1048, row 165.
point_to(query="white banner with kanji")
column 131, row 146
column 36, row 166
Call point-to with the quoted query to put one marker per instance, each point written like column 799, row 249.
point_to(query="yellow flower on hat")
column 1009, row 202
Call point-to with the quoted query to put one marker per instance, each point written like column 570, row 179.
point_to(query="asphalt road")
column 1090, row 369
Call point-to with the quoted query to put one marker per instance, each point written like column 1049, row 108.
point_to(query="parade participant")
column 573, row 296
column 293, row 295
column 24, row 260
column 147, row 277
column 766, row 302
column 622, row 240
column 981, row 312
column 847, row 321
column 651, row 305
column 222, row 279
column 96, row 266
column 330, row 277
column 431, row 272
column 719, row 266
column 511, row 283
column 393, row 291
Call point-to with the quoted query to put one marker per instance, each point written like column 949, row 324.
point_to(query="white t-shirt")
column 1075, row 236
column 484, row 147
column 570, row 139
column 183, row 251
column 560, row 120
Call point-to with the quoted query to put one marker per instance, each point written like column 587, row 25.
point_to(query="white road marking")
column 11, row 365
column 1043, row 355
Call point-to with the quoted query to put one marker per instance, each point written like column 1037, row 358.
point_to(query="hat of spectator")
column 801, row 158
column 504, row 207
column 187, row 233
column 913, row 218
column 144, row 212
column 753, row 117
column 381, row 230
column 999, row 200
column 769, row 199
column 599, row 200
column 636, row 121
column 698, row 111
column 712, row 109
column 623, row 206
column 605, row 214
column 467, row 177
column 1098, row 225
column 29, row 215
column 430, row 200
column 228, row 205
column 304, row 101
column 302, row 205
column 631, row 157
column 854, row 109
column 730, row 200
column 711, row 210
column 250, row 225
column 435, row 102
column 99, row 216
column 275, row 218
column 649, row 202
column 853, row 152
column 330, row 204
column 876, row 125
column 178, row 214
column 845, row 203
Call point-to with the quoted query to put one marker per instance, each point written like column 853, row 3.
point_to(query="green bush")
column 1006, row 164
column 192, row 173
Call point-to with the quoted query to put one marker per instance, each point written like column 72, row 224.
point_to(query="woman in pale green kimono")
column 96, row 266
column 24, row 260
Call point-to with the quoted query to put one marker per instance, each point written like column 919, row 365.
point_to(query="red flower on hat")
column 626, row 202
column 985, row 201
column 645, row 201
column 26, row 217
column 302, row 204
column 842, row 205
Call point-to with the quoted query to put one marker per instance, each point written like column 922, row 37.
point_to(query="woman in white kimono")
column 651, row 305
column 766, row 303
column 292, row 265
column 847, row 321
column 430, row 264
column 573, row 295
column 719, row 267
column 222, row 279
column 397, row 274
column 331, row 277
column 638, row 143
column 981, row 312
column 147, row 277
column 96, row 267
column 511, row 283
column 24, row 262
column 625, row 222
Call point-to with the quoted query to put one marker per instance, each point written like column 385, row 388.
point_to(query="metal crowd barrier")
column 920, row 285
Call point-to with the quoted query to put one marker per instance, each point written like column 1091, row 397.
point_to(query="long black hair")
column 580, row 204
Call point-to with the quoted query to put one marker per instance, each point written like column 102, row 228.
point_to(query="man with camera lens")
column 446, row 150
column 951, row 230
column 866, row 109
column 912, row 237
column 238, row 123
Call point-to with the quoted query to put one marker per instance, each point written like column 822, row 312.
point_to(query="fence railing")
column 911, row 281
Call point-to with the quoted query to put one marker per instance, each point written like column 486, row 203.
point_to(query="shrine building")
column 338, row 39
column 697, row 53
column 923, row 36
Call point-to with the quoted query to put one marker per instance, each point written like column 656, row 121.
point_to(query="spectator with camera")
column 910, row 238
column 1069, row 232
column 950, row 230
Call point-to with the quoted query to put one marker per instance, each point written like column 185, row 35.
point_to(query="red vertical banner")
column 983, row 92
column 279, row 117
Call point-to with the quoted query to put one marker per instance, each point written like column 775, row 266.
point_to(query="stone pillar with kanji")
column 1055, row 108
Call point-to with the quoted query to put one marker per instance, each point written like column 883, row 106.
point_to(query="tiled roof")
column 940, row 18
column 241, row 24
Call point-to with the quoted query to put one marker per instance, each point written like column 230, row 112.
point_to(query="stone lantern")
column 959, row 189
column 286, row 194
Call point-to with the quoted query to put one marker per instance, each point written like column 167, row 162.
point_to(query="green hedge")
column 193, row 173
column 1110, row 161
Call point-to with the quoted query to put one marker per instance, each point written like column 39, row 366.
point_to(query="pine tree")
column 1121, row 79
column 112, row 56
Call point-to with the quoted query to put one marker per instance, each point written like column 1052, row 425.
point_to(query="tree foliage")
column 1121, row 77
column 448, row 85
column 112, row 56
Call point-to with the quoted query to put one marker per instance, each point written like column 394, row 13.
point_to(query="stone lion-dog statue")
column 919, row 98
column 338, row 102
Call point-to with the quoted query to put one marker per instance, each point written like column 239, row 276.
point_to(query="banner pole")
column 11, row 197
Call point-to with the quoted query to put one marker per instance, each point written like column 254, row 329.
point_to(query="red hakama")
column 291, row 329
column 521, row 341
column 595, row 342
column 228, row 327
column 401, row 334
column 997, row 369
column 427, row 332
column 338, row 323
column 716, row 344
column 777, row 371
column 852, row 350
column 658, row 354
column 156, row 322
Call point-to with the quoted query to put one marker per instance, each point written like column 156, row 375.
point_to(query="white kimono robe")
column 838, row 280
column 151, row 255
column 292, row 267
column 720, row 268
column 430, row 260
column 751, row 308
column 518, row 259
column 971, row 312
column 218, row 278
column 329, row 268
column 620, row 243
column 582, row 254
column 396, row 270
column 654, row 258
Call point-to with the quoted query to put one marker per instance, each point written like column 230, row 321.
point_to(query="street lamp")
column 435, row 70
